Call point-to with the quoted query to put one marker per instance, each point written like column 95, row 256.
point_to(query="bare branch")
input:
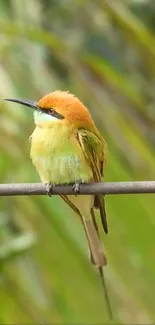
column 94, row 188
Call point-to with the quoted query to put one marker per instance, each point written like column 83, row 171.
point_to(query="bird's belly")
column 61, row 169
column 59, row 164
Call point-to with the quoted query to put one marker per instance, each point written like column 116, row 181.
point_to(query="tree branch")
column 93, row 188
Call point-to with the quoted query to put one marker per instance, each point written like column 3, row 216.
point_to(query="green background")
column 104, row 53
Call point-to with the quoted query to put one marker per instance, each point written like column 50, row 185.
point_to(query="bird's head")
column 58, row 107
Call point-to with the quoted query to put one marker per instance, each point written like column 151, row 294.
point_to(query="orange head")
column 60, row 106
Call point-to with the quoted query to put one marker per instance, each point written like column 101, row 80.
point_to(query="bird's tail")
column 88, row 219
column 97, row 254
column 96, row 249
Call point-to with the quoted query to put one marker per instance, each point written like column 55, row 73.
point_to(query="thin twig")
column 93, row 188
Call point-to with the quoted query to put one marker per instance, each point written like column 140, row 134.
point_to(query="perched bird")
column 66, row 147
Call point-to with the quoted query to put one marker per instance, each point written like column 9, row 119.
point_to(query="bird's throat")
column 41, row 117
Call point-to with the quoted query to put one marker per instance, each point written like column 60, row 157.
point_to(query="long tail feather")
column 109, row 308
column 91, row 230
column 101, row 273
column 96, row 249
column 97, row 255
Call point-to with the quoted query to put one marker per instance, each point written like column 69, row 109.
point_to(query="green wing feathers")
column 94, row 148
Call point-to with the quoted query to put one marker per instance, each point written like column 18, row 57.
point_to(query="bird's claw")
column 49, row 186
column 76, row 187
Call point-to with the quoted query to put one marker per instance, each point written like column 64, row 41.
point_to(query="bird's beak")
column 24, row 102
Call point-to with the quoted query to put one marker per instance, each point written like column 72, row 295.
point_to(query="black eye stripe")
column 53, row 113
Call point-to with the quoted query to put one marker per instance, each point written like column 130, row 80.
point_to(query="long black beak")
column 24, row 102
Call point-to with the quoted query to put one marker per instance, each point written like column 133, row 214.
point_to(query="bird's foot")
column 49, row 186
column 76, row 186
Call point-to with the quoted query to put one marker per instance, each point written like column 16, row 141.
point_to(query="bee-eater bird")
column 66, row 147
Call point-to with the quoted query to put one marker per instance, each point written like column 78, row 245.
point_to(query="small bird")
column 66, row 147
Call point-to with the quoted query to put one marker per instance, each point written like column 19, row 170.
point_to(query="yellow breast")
column 57, row 156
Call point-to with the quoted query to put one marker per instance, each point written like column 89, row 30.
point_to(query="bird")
column 67, row 148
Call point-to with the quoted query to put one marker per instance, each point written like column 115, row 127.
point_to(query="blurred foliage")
column 103, row 52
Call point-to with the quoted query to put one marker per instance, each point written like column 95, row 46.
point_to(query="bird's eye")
column 51, row 111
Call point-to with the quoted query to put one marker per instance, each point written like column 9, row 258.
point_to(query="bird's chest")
column 57, row 156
